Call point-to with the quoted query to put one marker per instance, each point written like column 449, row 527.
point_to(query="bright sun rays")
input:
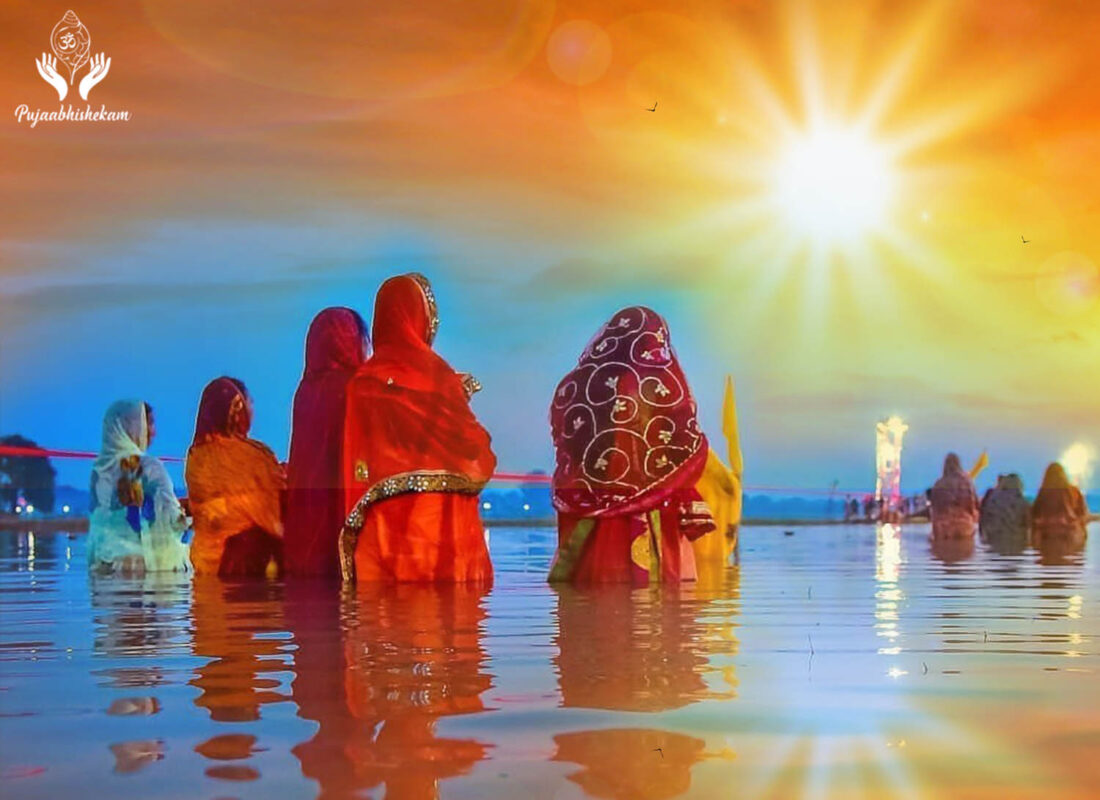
column 830, row 180
column 833, row 185
column 823, row 156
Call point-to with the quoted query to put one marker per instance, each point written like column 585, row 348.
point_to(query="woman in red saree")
column 235, row 485
column 415, row 456
column 336, row 346
column 1059, row 508
column 629, row 453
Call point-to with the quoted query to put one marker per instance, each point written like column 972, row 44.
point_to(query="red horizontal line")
column 499, row 477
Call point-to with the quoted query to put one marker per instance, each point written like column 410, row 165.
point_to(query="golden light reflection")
column 888, row 597
column 888, row 558
column 1075, row 603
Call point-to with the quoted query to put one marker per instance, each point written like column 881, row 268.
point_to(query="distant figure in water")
column 336, row 346
column 1059, row 509
column 415, row 456
column 236, row 488
column 629, row 455
column 954, row 501
column 136, row 523
column 1006, row 515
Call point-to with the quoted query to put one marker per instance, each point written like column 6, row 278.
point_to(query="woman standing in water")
column 415, row 456
column 629, row 453
column 1059, row 508
column 136, row 521
column 236, row 488
column 954, row 502
column 1005, row 513
column 336, row 346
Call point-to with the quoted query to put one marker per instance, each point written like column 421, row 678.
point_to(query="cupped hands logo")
column 72, row 46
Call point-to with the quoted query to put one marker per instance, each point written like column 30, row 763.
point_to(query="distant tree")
column 30, row 476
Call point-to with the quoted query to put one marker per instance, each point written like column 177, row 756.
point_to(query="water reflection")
column 630, row 763
column 1066, row 548
column 377, row 671
column 642, row 650
column 138, row 620
column 639, row 649
column 888, row 595
column 1006, row 541
column 136, row 755
column 237, row 625
column 313, row 615
column 952, row 550
column 931, row 671
column 414, row 657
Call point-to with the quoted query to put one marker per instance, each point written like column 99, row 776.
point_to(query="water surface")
column 833, row 662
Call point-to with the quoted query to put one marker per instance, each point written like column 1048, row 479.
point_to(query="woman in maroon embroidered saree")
column 415, row 456
column 629, row 453
column 336, row 346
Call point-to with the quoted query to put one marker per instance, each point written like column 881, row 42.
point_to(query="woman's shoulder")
column 152, row 469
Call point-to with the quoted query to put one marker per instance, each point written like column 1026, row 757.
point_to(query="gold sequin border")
column 402, row 483
column 429, row 300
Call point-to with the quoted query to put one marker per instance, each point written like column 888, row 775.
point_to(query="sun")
column 832, row 184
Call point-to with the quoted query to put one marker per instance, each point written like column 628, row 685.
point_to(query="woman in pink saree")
column 955, row 508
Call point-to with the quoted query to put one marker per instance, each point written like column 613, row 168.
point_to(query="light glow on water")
column 838, row 662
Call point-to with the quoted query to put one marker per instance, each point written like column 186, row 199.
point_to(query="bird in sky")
column 659, row 750
column 1025, row 241
column 654, row 107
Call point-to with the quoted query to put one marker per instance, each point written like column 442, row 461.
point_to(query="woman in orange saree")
column 236, row 488
column 629, row 453
column 1059, row 508
column 415, row 456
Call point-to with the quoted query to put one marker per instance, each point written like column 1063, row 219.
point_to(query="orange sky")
column 284, row 154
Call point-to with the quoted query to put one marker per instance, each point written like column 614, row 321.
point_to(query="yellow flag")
column 979, row 465
column 729, row 429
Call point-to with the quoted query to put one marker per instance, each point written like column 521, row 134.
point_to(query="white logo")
column 72, row 51
column 71, row 43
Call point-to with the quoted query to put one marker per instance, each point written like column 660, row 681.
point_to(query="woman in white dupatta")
column 136, row 521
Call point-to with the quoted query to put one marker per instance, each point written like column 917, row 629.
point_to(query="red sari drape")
column 629, row 453
column 415, row 456
column 336, row 347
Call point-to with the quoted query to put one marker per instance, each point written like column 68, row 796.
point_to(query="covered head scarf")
column 409, row 426
column 224, row 410
column 624, row 422
column 336, row 346
column 954, row 489
column 1005, row 511
column 1059, row 501
column 125, row 434
column 125, row 439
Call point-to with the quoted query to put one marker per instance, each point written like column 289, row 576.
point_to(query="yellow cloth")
column 979, row 465
column 721, row 490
